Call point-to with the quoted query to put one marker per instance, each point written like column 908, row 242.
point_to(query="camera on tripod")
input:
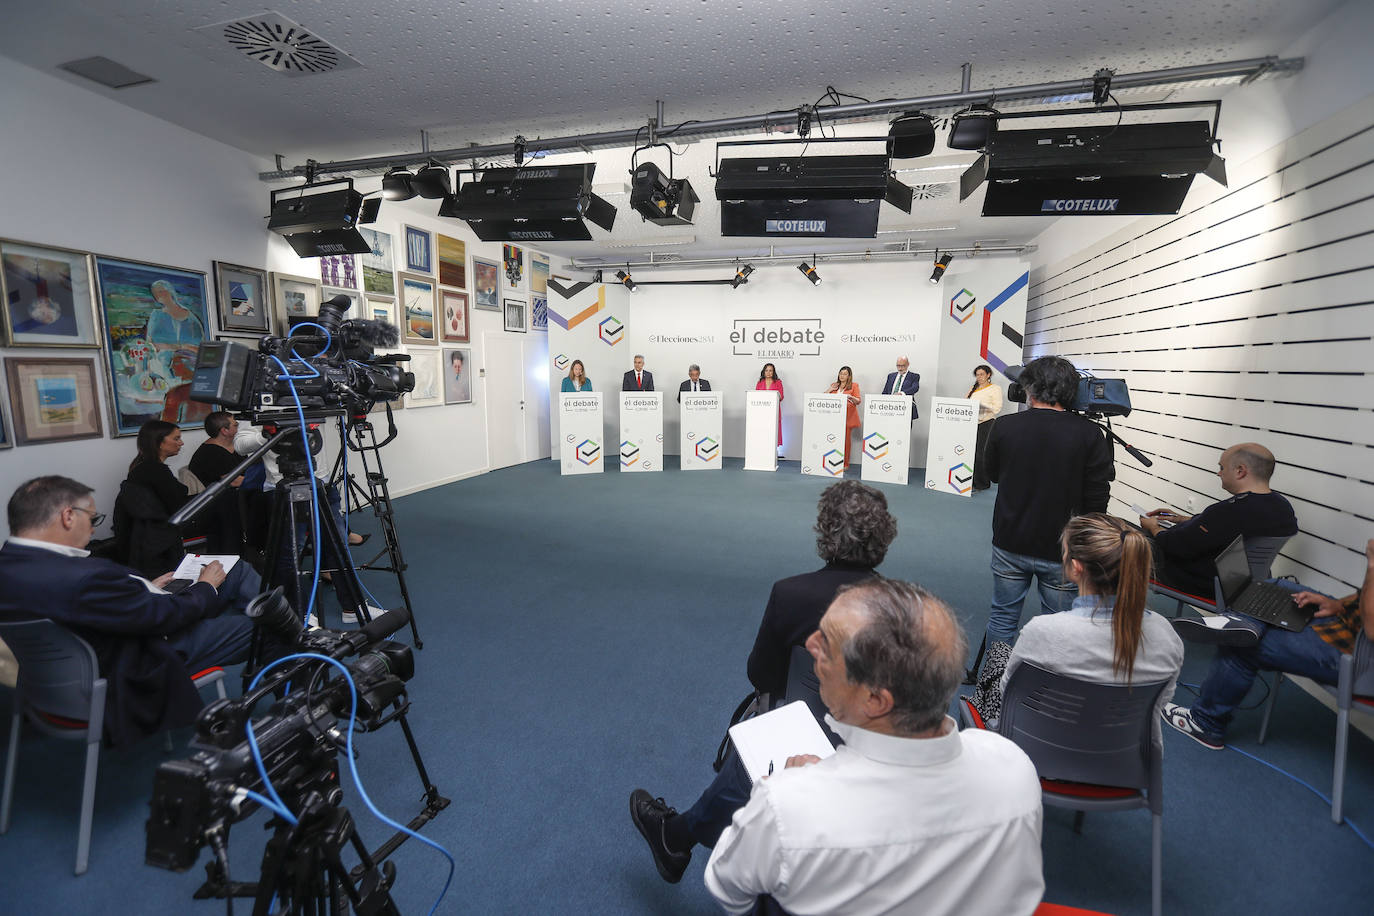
column 1096, row 397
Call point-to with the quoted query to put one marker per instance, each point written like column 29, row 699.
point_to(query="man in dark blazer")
column 147, row 642
column 638, row 378
column 904, row 382
column 694, row 382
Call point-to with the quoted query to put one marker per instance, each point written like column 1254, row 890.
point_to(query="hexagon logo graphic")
column 611, row 330
column 959, row 450
column 561, row 362
column 589, row 451
column 707, row 449
column 629, row 453
column 961, row 478
column 961, row 305
column 833, row 462
column 875, row 445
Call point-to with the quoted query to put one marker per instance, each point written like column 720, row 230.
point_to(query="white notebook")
column 765, row 742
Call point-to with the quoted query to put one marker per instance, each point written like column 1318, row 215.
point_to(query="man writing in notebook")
column 907, row 814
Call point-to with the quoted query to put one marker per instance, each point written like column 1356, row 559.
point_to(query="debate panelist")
column 769, row 381
column 638, row 378
column 904, row 382
column 577, row 378
column 694, row 382
column 989, row 398
column 844, row 384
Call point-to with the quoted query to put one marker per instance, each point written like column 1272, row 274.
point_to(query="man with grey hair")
column 910, row 815
column 694, row 383
column 904, row 382
column 638, row 378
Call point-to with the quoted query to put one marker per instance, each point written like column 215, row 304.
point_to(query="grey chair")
column 1092, row 745
column 1259, row 553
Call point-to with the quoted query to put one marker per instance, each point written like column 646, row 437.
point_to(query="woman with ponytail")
column 1108, row 635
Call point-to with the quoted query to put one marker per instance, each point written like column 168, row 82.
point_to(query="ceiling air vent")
column 943, row 191
column 281, row 45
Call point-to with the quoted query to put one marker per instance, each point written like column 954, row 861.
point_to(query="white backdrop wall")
column 965, row 297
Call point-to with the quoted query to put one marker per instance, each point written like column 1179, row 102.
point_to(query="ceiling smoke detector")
column 281, row 45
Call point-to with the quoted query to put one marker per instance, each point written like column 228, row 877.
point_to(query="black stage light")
column 972, row 128
column 741, row 276
column 371, row 207
column 660, row 199
column 940, row 264
column 319, row 219
column 809, row 273
column 431, row 181
column 625, row 280
column 396, row 185
column 911, row 135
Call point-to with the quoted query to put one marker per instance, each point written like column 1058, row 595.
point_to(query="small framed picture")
column 380, row 308
column 339, row 270
column 242, row 296
column 417, row 309
column 54, row 400
column 48, row 295
column 6, row 440
column 457, row 375
column 455, row 316
column 512, row 267
column 419, row 251
column 515, row 315
column 486, row 284
column 377, row 265
column 539, row 274
column 429, row 388
column 539, row 313
column 355, row 299
column 296, row 299
column 452, row 255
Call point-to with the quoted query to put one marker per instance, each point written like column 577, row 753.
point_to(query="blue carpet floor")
column 585, row 636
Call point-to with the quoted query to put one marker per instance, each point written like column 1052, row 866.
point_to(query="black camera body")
column 1096, row 397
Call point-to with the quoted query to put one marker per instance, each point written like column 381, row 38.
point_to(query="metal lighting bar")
column 790, row 260
column 1246, row 69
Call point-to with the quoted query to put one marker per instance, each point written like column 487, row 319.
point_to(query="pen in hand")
column 770, row 768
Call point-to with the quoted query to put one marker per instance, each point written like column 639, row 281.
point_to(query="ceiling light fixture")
column 662, row 199
column 741, row 276
column 396, row 185
column 911, row 135
column 431, row 182
column 625, row 281
column 972, row 128
column 809, row 272
column 941, row 263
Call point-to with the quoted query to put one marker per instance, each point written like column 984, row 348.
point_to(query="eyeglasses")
column 96, row 517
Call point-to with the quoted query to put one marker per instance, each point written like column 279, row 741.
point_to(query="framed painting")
column 6, row 440
column 457, row 375
column 380, row 309
column 54, row 400
column 455, row 316
column 377, row 265
column 515, row 315
column 486, row 284
column 453, row 261
column 155, row 321
column 355, row 299
column 48, row 296
column 539, row 274
column 339, row 270
column 417, row 309
column 429, row 389
column 512, row 267
column 539, row 313
column 419, row 251
column 296, row 299
column 241, row 293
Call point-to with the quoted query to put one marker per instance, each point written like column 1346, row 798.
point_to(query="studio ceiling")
column 481, row 71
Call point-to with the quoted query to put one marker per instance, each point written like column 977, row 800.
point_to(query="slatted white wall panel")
column 1248, row 317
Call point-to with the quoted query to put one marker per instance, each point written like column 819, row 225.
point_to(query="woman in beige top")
column 989, row 398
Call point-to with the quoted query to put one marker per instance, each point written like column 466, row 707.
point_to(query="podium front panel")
column 702, row 445
column 641, row 431
column 583, row 437
column 887, row 437
column 953, row 434
column 823, row 432
column 761, row 430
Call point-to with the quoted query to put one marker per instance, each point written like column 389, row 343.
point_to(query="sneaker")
column 649, row 814
column 1221, row 629
column 1181, row 718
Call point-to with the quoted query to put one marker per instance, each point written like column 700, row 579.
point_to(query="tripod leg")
column 346, row 584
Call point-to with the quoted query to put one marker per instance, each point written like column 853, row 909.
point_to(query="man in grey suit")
column 638, row 378
column 694, row 382
column 904, row 382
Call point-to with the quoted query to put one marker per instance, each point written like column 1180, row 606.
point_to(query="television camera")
column 1097, row 399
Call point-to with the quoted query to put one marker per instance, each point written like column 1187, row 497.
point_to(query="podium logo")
column 961, row 306
column 830, row 437
column 961, row 478
column 887, row 465
column 571, row 438
column 691, row 436
column 833, row 462
column 958, row 450
column 612, row 331
column 658, row 438
column 629, row 453
column 560, row 362
column 875, row 446
column 589, row 451
column 707, row 449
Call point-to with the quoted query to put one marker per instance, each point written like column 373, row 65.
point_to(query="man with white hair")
column 904, row 382
column 638, row 378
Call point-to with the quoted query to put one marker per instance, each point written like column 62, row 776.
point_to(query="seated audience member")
column 149, row 495
column 853, row 531
column 147, row 642
column 1187, row 550
column 1107, row 636
column 1246, row 646
column 216, row 456
column 910, row 815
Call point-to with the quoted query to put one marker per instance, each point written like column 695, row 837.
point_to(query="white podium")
column 761, row 430
column 580, row 424
column 701, row 443
column 887, row 437
column 953, row 434
column 641, row 431
column 823, row 432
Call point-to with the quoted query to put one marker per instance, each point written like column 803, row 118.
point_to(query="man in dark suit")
column 638, row 378
column 694, row 383
column 853, row 531
column 147, row 642
column 904, row 382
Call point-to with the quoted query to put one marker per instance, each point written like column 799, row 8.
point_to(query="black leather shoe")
column 649, row 813
column 1221, row 630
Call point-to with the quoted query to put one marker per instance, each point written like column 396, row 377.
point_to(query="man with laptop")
column 1274, row 641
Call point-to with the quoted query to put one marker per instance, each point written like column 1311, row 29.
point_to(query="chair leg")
column 1338, row 777
column 83, row 837
column 1269, row 705
column 1157, row 866
column 11, row 761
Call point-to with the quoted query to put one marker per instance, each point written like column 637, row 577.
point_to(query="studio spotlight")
column 809, row 273
column 911, row 135
column 625, row 280
column 396, row 185
column 661, row 199
column 741, row 276
column 940, row 264
column 973, row 127
column 431, row 181
column 368, row 215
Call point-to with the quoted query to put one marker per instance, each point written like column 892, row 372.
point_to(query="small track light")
column 741, row 276
column 396, row 185
column 431, row 181
column 625, row 280
column 940, row 264
column 810, row 273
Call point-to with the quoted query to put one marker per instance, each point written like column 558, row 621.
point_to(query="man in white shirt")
column 910, row 815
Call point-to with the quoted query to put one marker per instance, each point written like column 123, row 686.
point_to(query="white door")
column 537, row 421
column 504, row 360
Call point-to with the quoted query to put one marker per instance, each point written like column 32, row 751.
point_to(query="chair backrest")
column 1260, row 553
column 58, row 674
column 1080, row 731
column 190, row 481
column 802, row 684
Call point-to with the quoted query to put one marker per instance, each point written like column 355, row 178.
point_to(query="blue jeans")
column 1011, row 581
column 713, row 811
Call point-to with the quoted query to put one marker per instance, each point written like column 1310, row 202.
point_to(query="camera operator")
column 1050, row 464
